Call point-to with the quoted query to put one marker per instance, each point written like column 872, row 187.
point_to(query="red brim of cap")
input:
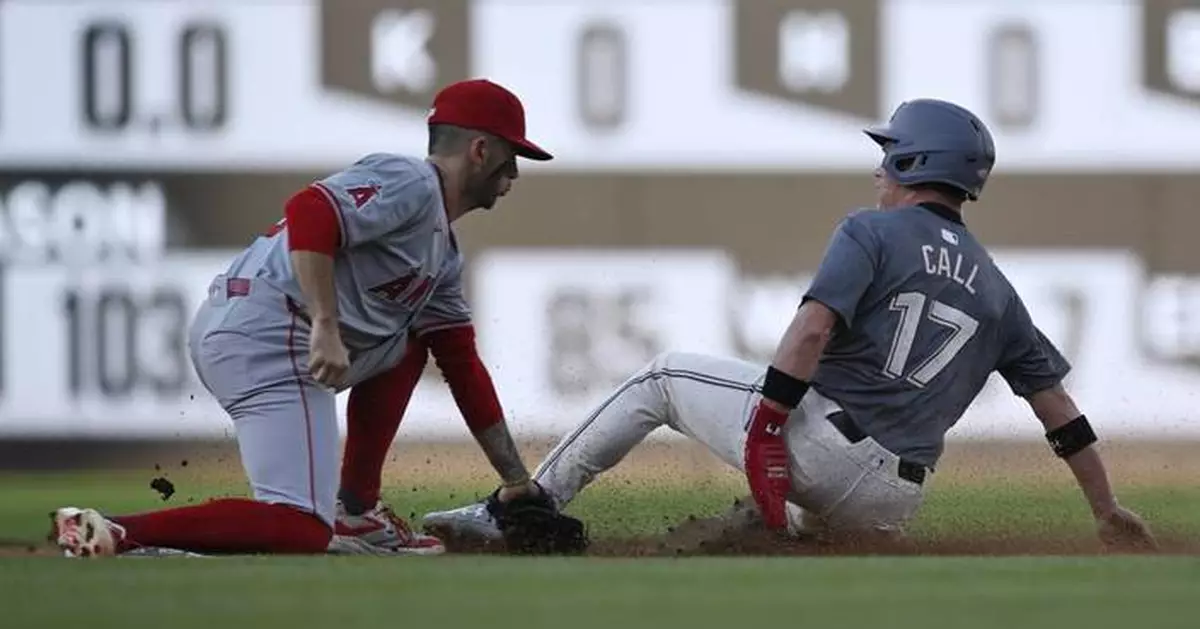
column 529, row 150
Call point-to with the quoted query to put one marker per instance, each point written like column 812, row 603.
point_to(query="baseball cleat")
column 379, row 532
column 470, row 524
column 84, row 532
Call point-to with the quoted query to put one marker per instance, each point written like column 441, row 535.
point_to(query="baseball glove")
column 533, row 525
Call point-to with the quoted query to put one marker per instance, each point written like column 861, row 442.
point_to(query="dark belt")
column 908, row 470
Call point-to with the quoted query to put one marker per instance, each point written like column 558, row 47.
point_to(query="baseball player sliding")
column 903, row 323
column 363, row 267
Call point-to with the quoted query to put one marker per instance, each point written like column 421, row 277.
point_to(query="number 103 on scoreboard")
column 125, row 340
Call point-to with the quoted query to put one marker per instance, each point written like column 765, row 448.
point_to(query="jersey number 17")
column 911, row 306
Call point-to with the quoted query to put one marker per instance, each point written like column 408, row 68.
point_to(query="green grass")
column 469, row 591
column 614, row 510
column 531, row 593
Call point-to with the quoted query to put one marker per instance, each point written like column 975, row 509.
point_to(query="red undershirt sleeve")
column 454, row 351
column 312, row 223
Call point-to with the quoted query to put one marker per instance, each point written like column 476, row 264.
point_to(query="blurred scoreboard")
column 722, row 84
column 102, row 349
column 119, row 117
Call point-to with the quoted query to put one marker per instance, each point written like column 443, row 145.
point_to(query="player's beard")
column 481, row 194
column 483, row 189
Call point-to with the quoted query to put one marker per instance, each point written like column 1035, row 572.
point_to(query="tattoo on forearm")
column 498, row 445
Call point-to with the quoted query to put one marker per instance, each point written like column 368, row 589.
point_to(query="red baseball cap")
column 482, row 105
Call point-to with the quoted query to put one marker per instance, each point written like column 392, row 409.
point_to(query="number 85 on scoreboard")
column 102, row 342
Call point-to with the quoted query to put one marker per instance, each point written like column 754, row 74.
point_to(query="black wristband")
column 782, row 388
column 1073, row 436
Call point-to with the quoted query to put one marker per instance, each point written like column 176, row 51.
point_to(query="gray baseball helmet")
column 934, row 141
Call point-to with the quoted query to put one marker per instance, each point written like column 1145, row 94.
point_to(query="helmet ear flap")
column 909, row 162
column 905, row 166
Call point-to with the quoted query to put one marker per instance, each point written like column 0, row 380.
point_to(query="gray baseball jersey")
column 925, row 318
column 398, row 269
column 399, row 266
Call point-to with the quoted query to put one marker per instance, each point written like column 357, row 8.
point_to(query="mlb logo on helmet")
column 482, row 105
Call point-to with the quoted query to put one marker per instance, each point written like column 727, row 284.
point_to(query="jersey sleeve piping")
column 320, row 187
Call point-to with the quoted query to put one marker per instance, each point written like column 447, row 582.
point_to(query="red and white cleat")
column 85, row 533
column 379, row 532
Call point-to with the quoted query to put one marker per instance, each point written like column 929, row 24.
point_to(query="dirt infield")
column 670, row 461
column 1020, row 463
column 675, row 463
column 682, row 461
column 738, row 533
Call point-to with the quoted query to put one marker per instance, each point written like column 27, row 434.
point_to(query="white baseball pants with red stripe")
column 249, row 347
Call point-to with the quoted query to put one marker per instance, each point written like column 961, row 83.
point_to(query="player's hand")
column 531, row 522
column 328, row 359
column 1122, row 530
column 528, row 489
column 766, row 462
